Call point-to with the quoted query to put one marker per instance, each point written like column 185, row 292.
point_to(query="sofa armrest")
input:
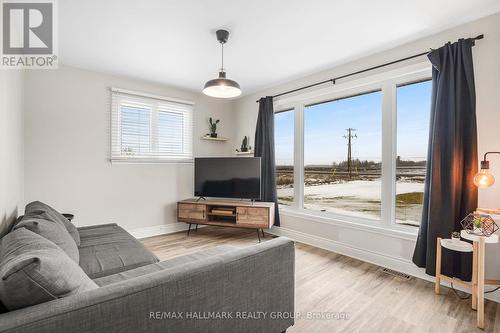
column 224, row 293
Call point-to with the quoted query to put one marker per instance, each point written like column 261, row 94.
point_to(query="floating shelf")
column 244, row 152
column 219, row 138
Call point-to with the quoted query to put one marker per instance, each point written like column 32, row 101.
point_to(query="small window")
column 413, row 117
column 149, row 129
column 283, row 139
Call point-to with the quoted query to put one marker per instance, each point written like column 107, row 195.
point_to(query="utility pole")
column 349, row 136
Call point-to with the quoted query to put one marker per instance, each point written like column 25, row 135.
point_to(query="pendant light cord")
column 222, row 51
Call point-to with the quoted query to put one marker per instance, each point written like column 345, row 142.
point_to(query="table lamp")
column 484, row 178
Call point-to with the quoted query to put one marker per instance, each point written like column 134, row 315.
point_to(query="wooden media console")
column 226, row 213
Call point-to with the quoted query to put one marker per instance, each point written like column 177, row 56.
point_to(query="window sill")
column 146, row 160
column 373, row 226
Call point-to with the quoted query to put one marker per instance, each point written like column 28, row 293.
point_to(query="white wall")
column 11, row 147
column 384, row 248
column 67, row 124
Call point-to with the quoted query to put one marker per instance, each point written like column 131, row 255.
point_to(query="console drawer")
column 252, row 215
column 191, row 211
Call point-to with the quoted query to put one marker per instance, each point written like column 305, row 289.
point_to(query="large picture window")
column 343, row 156
column 356, row 152
column 149, row 128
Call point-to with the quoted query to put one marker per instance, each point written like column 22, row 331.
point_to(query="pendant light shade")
column 222, row 87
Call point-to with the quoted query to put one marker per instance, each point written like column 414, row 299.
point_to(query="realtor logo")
column 28, row 34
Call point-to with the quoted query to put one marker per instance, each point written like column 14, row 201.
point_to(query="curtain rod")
column 360, row 71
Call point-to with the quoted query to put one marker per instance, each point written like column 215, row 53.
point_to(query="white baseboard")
column 379, row 259
column 157, row 230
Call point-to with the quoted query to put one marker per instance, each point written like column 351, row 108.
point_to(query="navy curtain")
column 264, row 148
column 452, row 158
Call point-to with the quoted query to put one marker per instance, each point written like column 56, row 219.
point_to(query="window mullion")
column 298, row 156
column 388, row 194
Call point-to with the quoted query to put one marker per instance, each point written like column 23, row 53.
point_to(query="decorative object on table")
column 244, row 146
column 213, row 127
column 222, row 87
column 484, row 178
column 455, row 236
column 479, row 224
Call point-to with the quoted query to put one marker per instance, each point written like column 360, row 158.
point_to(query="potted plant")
column 213, row 127
column 477, row 222
column 244, row 145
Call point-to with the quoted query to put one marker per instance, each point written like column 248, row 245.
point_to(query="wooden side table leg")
column 438, row 266
column 480, row 284
column 474, row 275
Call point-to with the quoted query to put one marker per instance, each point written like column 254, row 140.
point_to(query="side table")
column 478, row 277
column 454, row 245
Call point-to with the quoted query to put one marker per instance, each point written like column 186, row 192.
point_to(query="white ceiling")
column 173, row 41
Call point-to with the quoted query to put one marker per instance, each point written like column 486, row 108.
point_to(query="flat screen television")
column 227, row 177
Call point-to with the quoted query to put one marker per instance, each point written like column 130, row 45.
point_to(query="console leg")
column 196, row 228
column 263, row 234
column 189, row 229
column 258, row 234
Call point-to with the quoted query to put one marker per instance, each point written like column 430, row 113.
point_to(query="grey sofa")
column 223, row 289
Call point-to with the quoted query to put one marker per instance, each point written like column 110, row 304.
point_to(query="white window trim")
column 351, row 222
column 386, row 82
column 115, row 124
column 144, row 94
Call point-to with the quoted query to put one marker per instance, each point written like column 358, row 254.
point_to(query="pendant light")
column 222, row 87
column 484, row 178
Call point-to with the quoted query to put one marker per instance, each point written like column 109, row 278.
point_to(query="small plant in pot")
column 213, row 127
column 244, row 145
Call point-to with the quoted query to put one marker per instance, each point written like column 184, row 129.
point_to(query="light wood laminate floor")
column 328, row 282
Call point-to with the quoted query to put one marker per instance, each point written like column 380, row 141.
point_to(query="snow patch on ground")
column 361, row 189
column 360, row 198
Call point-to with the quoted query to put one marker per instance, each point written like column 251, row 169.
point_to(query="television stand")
column 226, row 213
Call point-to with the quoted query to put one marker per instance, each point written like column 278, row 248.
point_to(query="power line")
column 349, row 136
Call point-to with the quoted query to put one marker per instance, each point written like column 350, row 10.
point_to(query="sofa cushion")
column 37, row 206
column 40, row 223
column 34, row 270
column 108, row 249
column 166, row 264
